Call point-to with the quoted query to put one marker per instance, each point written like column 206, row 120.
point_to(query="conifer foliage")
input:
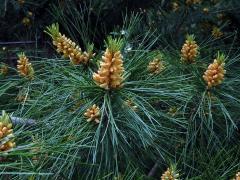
column 152, row 96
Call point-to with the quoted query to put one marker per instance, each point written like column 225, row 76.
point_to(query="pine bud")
column 191, row 2
column 175, row 6
column 156, row 66
column 238, row 176
column 7, row 146
column 93, row 114
column 21, row 2
column 24, row 67
column 170, row 174
column 26, row 21
column 110, row 73
column 214, row 75
column 189, row 50
column 206, row 10
column 22, row 96
column 30, row 14
column 4, row 69
column 216, row 32
column 221, row 16
column 173, row 111
column 6, row 131
column 131, row 104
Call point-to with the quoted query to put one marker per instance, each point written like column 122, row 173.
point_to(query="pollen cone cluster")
column 6, row 133
column 21, row 2
column 190, row 2
column 67, row 47
column 238, row 176
column 175, row 6
column 131, row 104
column 189, row 50
column 216, row 32
column 156, row 66
column 214, row 75
column 93, row 114
column 26, row 21
column 206, row 10
column 170, row 174
column 110, row 73
column 173, row 111
column 24, row 67
column 22, row 97
column 4, row 69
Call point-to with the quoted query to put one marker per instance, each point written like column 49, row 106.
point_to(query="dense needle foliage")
column 126, row 92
